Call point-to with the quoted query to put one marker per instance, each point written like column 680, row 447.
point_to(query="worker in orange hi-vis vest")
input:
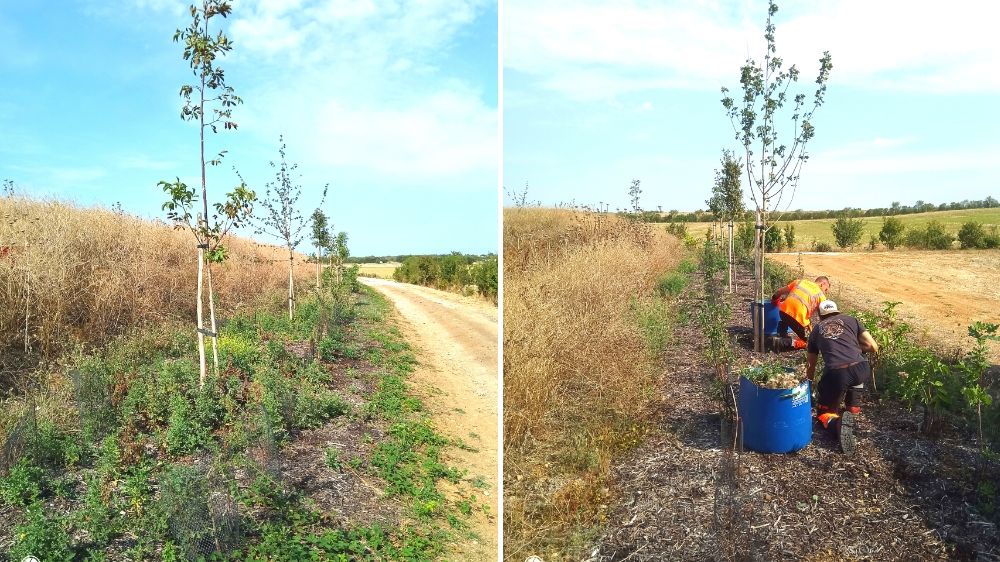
column 797, row 302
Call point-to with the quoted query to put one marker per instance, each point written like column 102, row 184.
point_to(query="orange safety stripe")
column 803, row 298
column 826, row 418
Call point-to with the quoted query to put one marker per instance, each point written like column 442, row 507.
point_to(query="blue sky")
column 392, row 103
column 599, row 93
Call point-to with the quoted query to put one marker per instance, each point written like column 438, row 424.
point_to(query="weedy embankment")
column 70, row 275
column 582, row 333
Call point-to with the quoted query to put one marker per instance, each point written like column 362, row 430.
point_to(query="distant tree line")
column 848, row 232
column 402, row 257
column 454, row 271
column 895, row 209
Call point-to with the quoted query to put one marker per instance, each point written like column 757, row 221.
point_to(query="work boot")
column 845, row 432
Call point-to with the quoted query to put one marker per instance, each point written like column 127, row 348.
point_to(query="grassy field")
column 381, row 270
column 820, row 229
column 582, row 332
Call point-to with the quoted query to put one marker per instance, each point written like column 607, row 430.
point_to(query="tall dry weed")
column 578, row 374
column 72, row 275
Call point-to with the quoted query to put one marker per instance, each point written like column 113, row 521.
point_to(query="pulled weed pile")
column 72, row 276
column 583, row 327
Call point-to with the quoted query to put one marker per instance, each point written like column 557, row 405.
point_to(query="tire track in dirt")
column 455, row 341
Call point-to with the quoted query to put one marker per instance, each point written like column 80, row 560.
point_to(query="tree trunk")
column 732, row 288
column 319, row 267
column 291, row 286
column 201, row 320
column 758, row 334
column 27, row 308
column 215, row 328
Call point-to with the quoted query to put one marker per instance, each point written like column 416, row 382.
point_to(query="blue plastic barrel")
column 775, row 421
column 771, row 317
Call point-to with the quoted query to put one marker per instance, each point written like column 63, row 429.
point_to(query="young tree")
column 201, row 50
column 726, row 202
column 772, row 166
column 891, row 233
column 338, row 249
column 634, row 193
column 847, row 230
column 282, row 219
column 320, row 239
column 789, row 236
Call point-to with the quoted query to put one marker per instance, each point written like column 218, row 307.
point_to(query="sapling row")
column 210, row 102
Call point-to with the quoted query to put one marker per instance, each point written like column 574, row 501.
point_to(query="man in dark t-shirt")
column 842, row 340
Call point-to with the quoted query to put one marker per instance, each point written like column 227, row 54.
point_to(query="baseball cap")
column 827, row 307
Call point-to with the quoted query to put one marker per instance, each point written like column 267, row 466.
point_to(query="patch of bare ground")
column 347, row 495
column 684, row 496
column 940, row 293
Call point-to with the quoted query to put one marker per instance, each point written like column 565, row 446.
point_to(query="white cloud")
column 442, row 135
column 361, row 84
column 633, row 45
column 870, row 158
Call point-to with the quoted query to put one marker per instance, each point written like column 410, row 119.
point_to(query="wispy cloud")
column 589, row 49
column 361, row 84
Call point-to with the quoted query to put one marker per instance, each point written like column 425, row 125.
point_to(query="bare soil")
column 685, row 495
column 455, row 340
column 941, row 292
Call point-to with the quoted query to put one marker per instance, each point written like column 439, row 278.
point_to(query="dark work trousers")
column 843, row 386
column 787, row 322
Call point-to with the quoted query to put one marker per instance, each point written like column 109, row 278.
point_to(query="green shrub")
column 41, row 536
column 96, row 516
column 185, row 434
column 847, row 231
column 23, row 483
column 789, row 236
column 821, row 246
column 891, row 233
column 671, row 284
column 972, row 235
column 678, row 229
column 992, row 239
column 314, row 406
column 51, row 447
column 774, row 241
column 239, row 350
column 932, row 237
column 92, row 392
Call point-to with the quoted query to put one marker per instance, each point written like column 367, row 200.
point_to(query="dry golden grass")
column 578, row 372
column 82, row 276
column 380, row 270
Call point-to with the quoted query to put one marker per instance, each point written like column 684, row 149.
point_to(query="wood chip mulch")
column 684, row 496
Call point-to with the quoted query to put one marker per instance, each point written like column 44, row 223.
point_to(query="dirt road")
column 941, row 292
column 455, row 341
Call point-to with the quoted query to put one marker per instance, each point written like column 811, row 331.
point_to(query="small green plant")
column 821, row 246
column 23, row 483
column 96, row 516
column 331, row 457
column 42, row 537
column 972, row 369
column 789, row 236
column 672, row 284
column 184, row 433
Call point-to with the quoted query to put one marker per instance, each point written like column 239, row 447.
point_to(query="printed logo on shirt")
column 832, row 329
